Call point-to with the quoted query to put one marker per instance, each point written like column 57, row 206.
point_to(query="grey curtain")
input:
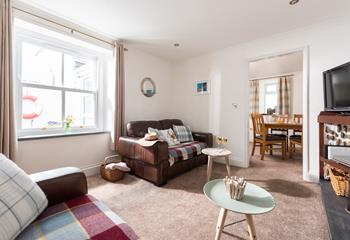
column 8, row 141
column 119, row 93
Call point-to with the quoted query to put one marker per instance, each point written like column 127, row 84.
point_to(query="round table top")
column 256, row 200
column 216, row 152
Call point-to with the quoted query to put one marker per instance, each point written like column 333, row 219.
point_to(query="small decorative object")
column 148, row 87
column 235, row 187
column 152, row 136
column 221, row 141
column 202, row 87
column 113, row 170
column 67, row 125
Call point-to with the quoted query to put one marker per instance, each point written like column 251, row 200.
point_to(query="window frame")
column 23, row 35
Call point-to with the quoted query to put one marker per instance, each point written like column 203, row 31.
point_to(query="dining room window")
column 270, row 98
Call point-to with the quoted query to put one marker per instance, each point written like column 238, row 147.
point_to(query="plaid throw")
column 185, row 151
column 183, row 133
column 78, row 219
column 21, row 199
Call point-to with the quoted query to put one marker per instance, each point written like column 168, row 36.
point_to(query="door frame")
column 307, row 176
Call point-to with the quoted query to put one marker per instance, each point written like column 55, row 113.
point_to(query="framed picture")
column 201, row 87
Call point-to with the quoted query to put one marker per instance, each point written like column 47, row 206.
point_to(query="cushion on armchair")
column 21, row 199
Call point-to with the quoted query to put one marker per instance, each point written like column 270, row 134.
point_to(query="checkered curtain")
column 254, row 96
column 283, row 96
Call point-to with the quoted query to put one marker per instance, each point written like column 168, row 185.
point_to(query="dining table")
column 284, row 125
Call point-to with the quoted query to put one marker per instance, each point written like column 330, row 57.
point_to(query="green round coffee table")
column 256, row 200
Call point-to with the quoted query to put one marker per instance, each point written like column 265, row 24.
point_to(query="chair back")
column 298, row 118
column 258, row 124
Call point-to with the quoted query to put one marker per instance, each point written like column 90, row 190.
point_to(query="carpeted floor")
column 179, row 210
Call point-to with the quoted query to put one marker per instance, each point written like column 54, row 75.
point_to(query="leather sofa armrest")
column 203, row 137
column 155, row 155
column 61, row 184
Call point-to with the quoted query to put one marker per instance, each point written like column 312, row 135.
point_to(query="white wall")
column 138, row 66
column 88, row 151
column 228, row 71
column 282, row 64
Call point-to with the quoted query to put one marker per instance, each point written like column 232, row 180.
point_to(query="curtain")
column 283, row 96
column 8, row 140
column 119, row 93
column 254, row 96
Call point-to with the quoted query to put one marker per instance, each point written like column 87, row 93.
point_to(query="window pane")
column 270, row 101
column 271, row 88
column 41, row 65
column 41, row 108
column 79, row 73
column 81, row 106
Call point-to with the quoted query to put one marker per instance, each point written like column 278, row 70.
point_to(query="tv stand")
column 343, row 114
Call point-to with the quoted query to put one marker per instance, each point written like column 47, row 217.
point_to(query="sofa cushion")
column 183, row 133
column 168, row 123
column 185, row 151
column 21, row 199
column 80, row 218
column 140, row 128
column 166, row 135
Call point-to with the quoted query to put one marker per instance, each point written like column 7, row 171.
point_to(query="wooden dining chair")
column 297, row 137
column 264, row 140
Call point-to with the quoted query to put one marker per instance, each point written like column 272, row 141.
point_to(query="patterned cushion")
column 185, row 151
column 167, row 135
column 21, row 199
column 183, row 133
column 81, row 218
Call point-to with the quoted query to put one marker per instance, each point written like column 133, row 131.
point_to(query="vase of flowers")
column 68, row 124
column 221, row 141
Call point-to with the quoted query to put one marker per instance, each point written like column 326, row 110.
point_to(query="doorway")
column 279, row 92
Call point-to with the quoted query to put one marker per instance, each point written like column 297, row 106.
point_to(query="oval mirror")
column 148, row 87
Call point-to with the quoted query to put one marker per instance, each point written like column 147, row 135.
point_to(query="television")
column 336, row 85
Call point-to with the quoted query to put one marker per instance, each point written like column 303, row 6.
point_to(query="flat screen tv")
column 336, row 84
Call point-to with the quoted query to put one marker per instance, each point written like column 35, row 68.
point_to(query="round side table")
column 216, row 153
column 256, row 200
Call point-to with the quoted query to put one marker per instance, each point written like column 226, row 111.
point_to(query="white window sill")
column 59, row 135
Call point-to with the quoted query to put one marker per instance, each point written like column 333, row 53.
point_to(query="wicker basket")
column 339, row 181
column 108, row 174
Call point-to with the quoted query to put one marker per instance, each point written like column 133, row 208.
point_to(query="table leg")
column 227, row 161
column 209, row 169
column 221, row 222
column 251, row 227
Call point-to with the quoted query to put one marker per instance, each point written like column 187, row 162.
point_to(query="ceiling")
column 199, row 26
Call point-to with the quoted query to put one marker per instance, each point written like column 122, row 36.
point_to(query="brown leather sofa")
column 151, row 163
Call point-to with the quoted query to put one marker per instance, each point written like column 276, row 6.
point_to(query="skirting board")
column 233, row 162
column 91, row 170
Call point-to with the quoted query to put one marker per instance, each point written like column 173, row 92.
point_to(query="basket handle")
column 106, row 160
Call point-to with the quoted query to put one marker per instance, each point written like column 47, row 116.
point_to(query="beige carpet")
column 179, row 210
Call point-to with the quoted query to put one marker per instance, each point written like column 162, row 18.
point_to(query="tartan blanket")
column 83, row 217
column 185, row 151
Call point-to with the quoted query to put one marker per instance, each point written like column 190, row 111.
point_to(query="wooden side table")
column 256, row 200
column 217, row 153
